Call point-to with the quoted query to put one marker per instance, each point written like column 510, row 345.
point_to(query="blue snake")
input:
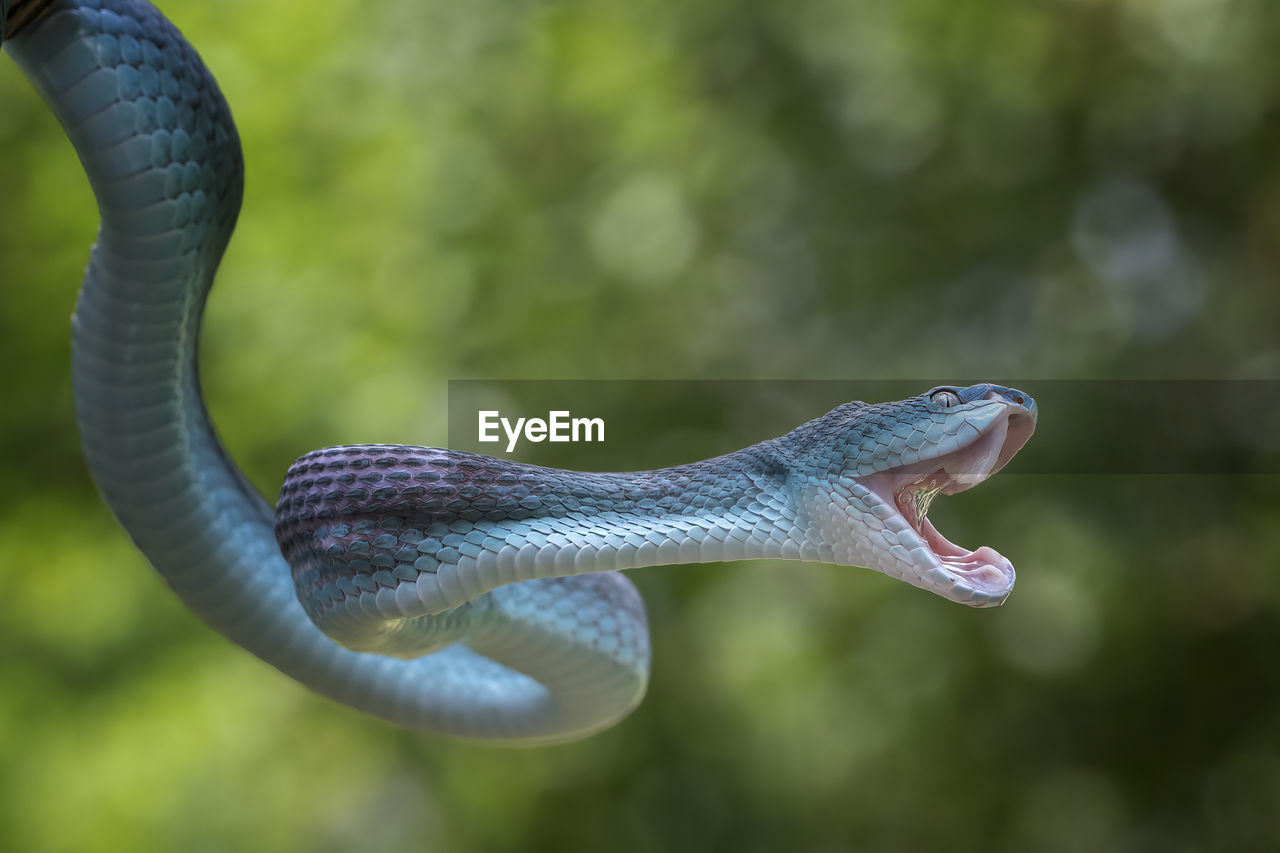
column 440, row 590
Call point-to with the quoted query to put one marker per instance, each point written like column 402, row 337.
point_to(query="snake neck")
column 423, row 531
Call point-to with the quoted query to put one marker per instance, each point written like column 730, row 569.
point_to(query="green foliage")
column 835, row 189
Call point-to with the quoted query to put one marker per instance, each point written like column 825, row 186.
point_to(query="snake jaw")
column 981, row 577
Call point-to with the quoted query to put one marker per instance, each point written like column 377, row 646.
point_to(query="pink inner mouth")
column 911, row 488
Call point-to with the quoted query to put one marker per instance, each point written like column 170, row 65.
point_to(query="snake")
column 442, row 591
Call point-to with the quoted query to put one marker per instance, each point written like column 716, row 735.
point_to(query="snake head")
column 893, row 459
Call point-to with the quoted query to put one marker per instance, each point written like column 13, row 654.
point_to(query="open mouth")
column 982, row 577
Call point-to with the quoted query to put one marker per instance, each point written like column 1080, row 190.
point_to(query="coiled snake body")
column 436, row 589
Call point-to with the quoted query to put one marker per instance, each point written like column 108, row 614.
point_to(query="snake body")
column 439, row 590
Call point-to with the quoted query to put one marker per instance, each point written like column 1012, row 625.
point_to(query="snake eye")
column 945, row 398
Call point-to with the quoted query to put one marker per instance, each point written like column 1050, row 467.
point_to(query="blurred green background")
column 692, row 189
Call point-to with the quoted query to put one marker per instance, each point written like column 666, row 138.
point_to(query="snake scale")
column 439, row 590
